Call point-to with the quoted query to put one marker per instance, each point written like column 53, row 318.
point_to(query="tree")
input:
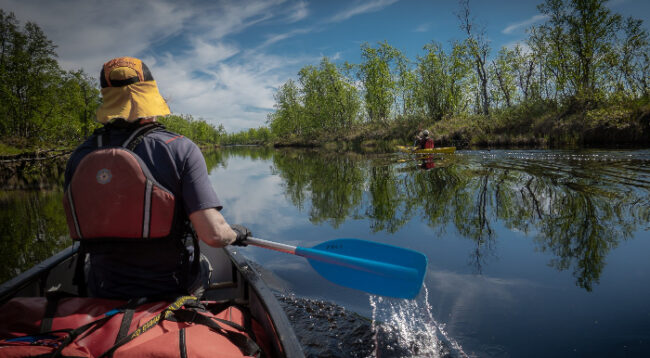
column 78, row 102
column 524, row 70
column 581, row 35
column 503, row 67
column 377, row 79
column 330, row 102
column 440, row 79
column 479, row 49
column 288, row 117
column 633, row 60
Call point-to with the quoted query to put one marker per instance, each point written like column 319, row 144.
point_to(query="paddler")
column 423, row 140
column 137, row 196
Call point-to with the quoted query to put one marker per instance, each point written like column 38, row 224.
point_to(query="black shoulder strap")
column 138, row 134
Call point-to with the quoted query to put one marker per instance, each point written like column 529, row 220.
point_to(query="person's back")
column 155, row 266
column 149, row 251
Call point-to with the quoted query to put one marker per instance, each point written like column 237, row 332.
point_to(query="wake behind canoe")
column 415, row 150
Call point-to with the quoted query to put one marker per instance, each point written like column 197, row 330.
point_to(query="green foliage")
column 324, row 101
column 441, row 78
column 591, row 52
column 251, row 136
column 582, row 58
column 199, row 131
column 40, row 102
column 378, row 80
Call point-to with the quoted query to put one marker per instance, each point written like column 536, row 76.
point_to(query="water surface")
column 531, row 253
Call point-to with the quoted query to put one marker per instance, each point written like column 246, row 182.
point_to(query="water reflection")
column 32, row 228
column 577, row 206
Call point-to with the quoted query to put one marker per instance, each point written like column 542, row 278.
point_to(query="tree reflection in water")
column 576, row 206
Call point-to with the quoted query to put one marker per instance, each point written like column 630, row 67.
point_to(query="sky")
column 222, row 61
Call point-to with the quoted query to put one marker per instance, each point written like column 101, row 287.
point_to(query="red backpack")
column 112, row 194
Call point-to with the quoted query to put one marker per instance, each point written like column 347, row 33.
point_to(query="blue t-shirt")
column 150, row 268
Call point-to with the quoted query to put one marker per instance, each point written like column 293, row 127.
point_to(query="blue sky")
column 222, row 60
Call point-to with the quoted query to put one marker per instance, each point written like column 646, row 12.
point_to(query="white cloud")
column 280, row 37
column 262, row 204
column 203, row 54
column 216, row 20
column 523, row 24
column 204, row 72
column 361, row 8
column 298, row 12
column 422, row 28
column 88, row 33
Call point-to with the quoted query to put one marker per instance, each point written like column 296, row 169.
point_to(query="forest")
column 582, row 77
column 45, row 107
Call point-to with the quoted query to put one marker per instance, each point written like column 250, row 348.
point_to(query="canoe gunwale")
column 282, row 327
column 39, row 273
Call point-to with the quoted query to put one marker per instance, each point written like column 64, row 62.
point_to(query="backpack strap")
column 245, row 344
column 50, row 308
column 127, row 317
column 138, row 134
column 150, row 323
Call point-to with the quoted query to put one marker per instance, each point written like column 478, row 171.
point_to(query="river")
column 532, row 253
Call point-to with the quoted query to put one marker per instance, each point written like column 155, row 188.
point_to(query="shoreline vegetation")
column 580, row 79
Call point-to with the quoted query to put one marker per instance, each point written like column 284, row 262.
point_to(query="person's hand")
column 242, row 234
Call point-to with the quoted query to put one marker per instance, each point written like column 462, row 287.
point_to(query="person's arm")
column 211, row 227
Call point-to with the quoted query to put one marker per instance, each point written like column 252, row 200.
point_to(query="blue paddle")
column 376, row 268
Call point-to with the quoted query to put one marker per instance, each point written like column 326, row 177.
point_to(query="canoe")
column 415, row 150
column 234, row 280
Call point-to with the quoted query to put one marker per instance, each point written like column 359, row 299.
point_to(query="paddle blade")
column 376, row 268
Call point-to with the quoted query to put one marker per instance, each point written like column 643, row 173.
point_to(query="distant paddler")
column 423, row 140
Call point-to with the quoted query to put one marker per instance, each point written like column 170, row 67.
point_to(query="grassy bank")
column 538, row 125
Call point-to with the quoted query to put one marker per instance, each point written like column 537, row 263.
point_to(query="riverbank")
column 539, row 125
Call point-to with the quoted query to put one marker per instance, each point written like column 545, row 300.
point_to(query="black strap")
column 88, row 328
column 142, row 131
column 127, row 317
column 48, row 317
column 149, row 324
column 73, row 334
column 79, row 278
column 50, row 308
column 182, row 344
column 245, row 344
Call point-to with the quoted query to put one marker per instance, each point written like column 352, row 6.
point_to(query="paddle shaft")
column 356, row 263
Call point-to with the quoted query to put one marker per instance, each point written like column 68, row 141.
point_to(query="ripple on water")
column 398, row 328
